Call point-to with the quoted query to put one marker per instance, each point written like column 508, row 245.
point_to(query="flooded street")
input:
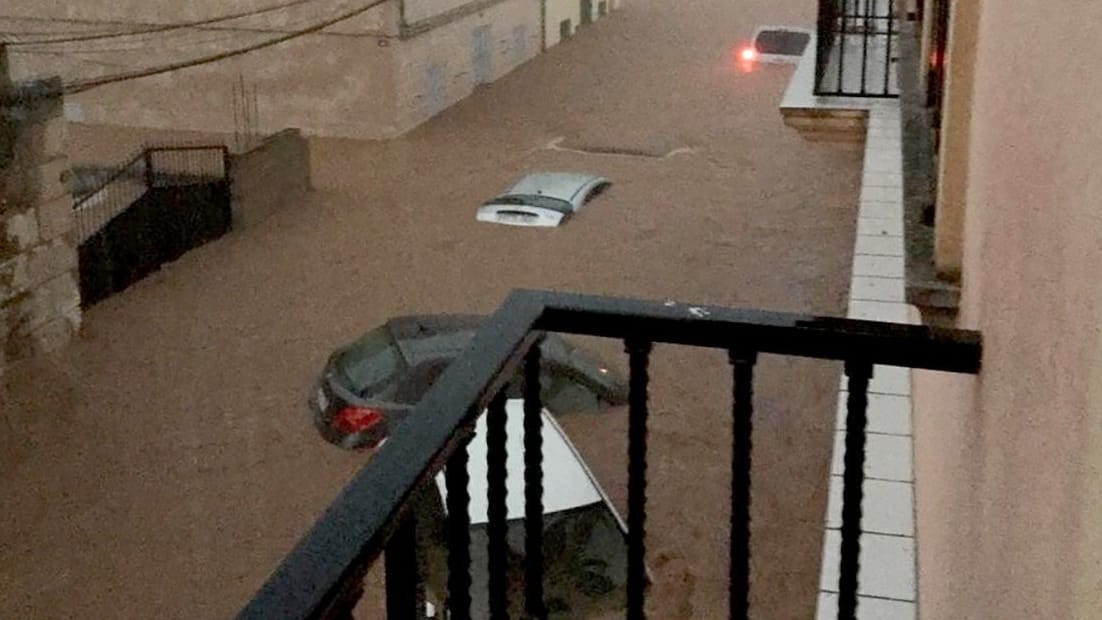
column 162, row 464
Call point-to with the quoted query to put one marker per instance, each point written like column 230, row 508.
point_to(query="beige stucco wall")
column 449, row 48
column 335, row 83
column 357, row 80
column 101, row 15
column 417, row 10
column 323, row 85
column 1008, row 465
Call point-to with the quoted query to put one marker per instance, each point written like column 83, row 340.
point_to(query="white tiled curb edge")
column 887, row 578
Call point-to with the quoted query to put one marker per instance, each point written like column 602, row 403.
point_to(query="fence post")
column 147, row 157
column 227, row 185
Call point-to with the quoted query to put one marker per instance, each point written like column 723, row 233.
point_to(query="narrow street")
column 165, row 462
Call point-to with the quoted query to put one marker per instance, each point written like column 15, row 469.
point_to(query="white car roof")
column 567, row 482
column 561, row 185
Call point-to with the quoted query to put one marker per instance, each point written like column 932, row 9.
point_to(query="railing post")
column 853, row 478
column 638, row 359
column 533, row 487
column 741, row 447
column 456, row 479
column 147, row 159
column 402, row 580
column 497, row 509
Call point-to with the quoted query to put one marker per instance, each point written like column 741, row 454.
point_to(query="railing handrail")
column 115, row 176
column 355, row 527
column 145, row 152
column 188, row 147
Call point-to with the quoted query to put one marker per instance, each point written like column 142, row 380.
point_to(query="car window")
column 371, row 362
column 534, row 200
column 560, row 392
column 563, row 394
column 417, row 381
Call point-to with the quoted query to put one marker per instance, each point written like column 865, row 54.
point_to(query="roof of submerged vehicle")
column 429, row 336
column 561, row 185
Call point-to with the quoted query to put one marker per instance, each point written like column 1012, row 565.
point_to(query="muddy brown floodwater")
column 162, row 465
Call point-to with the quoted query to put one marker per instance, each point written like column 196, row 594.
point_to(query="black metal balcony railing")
column 854, row 45
column 322, row 577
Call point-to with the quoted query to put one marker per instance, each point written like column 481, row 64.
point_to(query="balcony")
column 847, row 71
column 376, row 512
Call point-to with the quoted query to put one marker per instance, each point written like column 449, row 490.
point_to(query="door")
column 587, row 12
column 434, row 90
column 520, row 44
column 481, row 56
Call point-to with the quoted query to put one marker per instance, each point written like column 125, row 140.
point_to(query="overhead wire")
column 87, row 84
column 153, row 29
column 194, row 39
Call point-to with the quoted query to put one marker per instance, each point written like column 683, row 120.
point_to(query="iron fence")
column 159, row 166
column 322, row 577
column 854, row 48
column 119, row 190
column 160, row 204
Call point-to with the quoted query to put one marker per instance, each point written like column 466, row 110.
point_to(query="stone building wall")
column 39, row 287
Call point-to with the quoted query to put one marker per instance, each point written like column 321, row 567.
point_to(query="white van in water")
column 584, row 538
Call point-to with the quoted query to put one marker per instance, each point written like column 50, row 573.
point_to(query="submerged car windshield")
column 533, row 200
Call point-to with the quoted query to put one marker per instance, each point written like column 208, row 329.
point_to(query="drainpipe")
column 8, row 128
column 543, row 25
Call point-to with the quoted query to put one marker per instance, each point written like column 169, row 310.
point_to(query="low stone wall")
column 269, row 177
column 39, row 294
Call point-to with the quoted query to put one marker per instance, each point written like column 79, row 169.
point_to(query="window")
column 533, row 200
column 371, row 362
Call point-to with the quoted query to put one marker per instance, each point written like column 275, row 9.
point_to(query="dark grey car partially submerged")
column 372, row 384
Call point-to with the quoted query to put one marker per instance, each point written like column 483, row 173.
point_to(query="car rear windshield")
column 534, row 200
column 371, row 362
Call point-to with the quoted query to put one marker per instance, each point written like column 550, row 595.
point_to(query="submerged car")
column 584, row 538
column 370, row 385
column 542, row 199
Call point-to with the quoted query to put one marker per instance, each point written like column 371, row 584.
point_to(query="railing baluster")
column 533, row 488
column 459, row 536
column 888, row 46
column 741, row 446
column 638, row 359
column 497, row 511
column 859, row 374
column 842, row 47
column 865, row 45
column 402, row 580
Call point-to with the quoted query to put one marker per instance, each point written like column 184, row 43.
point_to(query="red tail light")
column 357, row 419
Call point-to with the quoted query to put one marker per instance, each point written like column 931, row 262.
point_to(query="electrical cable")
column 87, row 84
column 204, row 37
column 159, row 27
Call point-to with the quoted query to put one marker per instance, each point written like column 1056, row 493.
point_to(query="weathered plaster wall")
column 437, row 69
column 39, row 292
